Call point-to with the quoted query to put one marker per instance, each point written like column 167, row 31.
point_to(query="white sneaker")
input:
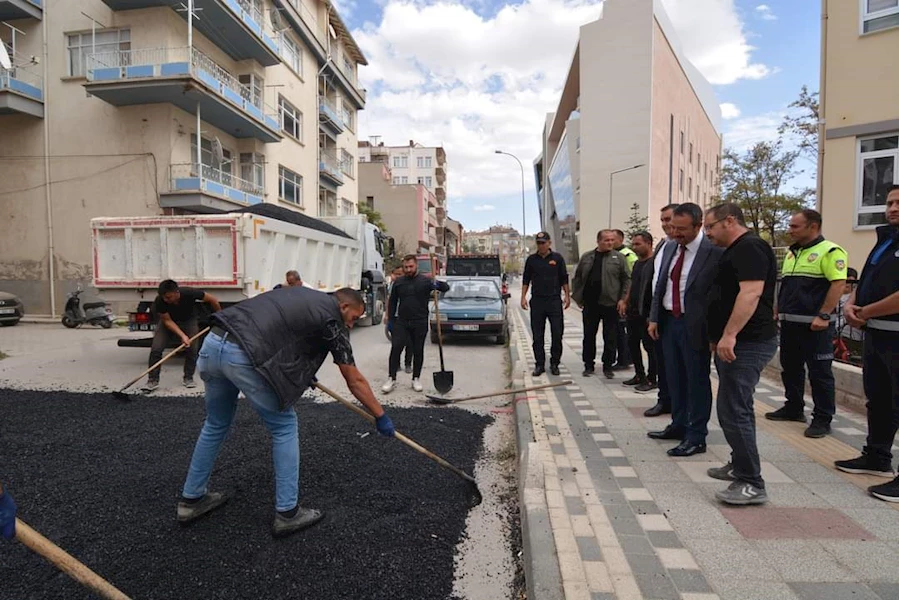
column 416, row 385
column 388, row 387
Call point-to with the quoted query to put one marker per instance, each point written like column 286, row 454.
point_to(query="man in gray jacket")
column 600, row 285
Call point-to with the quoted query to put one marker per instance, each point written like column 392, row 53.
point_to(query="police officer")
column 625, row 360
column 545, row 270
column 875, row 306
column 813, row 277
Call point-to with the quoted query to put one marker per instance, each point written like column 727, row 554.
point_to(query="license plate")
column 7, row 311
column 465, row 327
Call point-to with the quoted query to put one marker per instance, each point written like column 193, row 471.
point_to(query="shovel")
column 443, row 379
column 442, row 400
column 121, row 395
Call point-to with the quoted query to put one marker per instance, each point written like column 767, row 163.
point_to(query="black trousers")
column 608, row 316
column 801, row 347
column 163, row 338
column 542, row 309
column 638, row 333
column 625, row 355
column 406, row 333
column 880, row 377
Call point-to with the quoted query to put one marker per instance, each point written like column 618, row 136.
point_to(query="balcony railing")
column 22, row 81
column 330, row 166
column 329, row 113
column 187, row 177
column 150, row 63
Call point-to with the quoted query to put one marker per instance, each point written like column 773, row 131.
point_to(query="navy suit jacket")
column 696, row 295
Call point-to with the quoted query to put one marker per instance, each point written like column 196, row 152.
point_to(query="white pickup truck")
column 235, row 256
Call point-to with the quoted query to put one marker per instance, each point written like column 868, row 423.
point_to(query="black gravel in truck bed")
column 101, row 479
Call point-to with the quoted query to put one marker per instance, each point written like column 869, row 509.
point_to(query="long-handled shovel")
column 443, row 379
column 65, row 562
column 442, row 400
column 411, row 443
column 121, row 395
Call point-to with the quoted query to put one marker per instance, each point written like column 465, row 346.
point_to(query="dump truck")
column 235, row 256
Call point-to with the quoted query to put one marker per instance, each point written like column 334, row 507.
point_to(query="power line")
column 77, row 178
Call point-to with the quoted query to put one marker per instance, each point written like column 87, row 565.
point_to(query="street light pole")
column 612, row 174
column 523, row 221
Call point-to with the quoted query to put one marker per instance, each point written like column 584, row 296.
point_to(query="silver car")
column 11, row 309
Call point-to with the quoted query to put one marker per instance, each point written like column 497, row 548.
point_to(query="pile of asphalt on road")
column 101, row 479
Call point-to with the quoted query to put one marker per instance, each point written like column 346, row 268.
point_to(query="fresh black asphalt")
column 101, row 479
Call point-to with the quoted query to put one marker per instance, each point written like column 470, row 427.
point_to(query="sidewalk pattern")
column 630, row 522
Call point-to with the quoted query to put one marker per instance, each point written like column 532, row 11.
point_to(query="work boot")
column 189, row 382
column 416, row 385
column 151, row 385
column 538, row 371
column 588, row 371
column 554, row 369
column 865, row 465
column 305, row 517
column 608, row 372
column 407, row 368
column 888, row 492
column 647, row 387
column 190, row 511
column 741, row 493
column 725, row 473
column 635, row 380
column 818, row 429
column 388, row 387
column 786, row 414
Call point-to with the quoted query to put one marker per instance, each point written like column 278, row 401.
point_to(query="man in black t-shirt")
column 743, row 338
column 177, row 311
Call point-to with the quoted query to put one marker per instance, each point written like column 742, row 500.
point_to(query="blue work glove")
column 390, row 326
column 435, row 285
column 8, row 512
column 385, row 426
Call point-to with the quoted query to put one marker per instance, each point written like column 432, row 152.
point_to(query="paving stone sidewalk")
column 624, row 520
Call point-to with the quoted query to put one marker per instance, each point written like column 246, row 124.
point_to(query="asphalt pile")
column 101, row 479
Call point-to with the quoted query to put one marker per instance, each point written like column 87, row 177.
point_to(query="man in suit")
column 678, row 318
column 663, row 403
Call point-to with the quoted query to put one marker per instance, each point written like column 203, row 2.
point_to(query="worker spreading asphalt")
column 99, row 478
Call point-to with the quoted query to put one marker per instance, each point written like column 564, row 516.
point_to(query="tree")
column 374, row 217
column 802, row 123
column 636, row 222
column 755, row 181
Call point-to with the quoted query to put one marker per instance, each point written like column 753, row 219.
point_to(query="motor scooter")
column 92, row 313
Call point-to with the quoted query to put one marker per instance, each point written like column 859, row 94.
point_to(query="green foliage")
column 802, row 123
column 636, row 222
column 374, row 217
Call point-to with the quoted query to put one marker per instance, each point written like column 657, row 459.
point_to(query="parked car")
column 11, row 309
column 472, row 307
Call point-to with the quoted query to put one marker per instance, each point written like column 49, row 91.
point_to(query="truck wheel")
column 378, row 317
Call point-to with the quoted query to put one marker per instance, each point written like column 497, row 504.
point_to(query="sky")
column 475, row 76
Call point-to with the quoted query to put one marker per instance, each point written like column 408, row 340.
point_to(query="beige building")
column 408, row 210
column 636, row 122
column 412, row 164
column 453, row 234
column 860, row 46
column 502, row 240
column 105, row 102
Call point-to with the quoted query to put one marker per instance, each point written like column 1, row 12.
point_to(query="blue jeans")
column 736, row 384
column 226, row 370
column 688, row 370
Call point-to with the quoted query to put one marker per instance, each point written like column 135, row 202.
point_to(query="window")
column 878, row 165
column 253, row 86
column 218, row 172
column 879, row 14
column 370, row 200
column 690, row 187
column 348, row 116
column 327, row 205
column 691, row 153
column 705, row 170
column 346, row 207
column 681, row 142
column 347, row 164
column 291, row 119
column 423, row 162
column 401, row 161
column 426, row 181
column 349, row 69
column 107, row 41
column 252, row 170
column 292, row 54
column 290, row 186
column 680, row 183
column 697, row 193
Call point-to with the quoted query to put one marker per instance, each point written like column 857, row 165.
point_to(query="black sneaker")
column 305, row 517
column 554, row 369
column 407, row 368
column 538, row 371
column 609, row 373
column 818, row 429
column 865, row 465
column 635, row 380
column 189, row 382
column 588, row 371
column 645, row 388
column 725, row 473
column 786, row 414
column 888, row 492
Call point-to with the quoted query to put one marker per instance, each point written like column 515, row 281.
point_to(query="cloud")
column 483, row 208
column 764, row 11
column 743, row 133
column 729, row 110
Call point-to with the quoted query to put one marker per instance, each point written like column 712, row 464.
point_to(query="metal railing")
column 328, row 108
column 330, row 164
column 22, row 81
column 183, row 171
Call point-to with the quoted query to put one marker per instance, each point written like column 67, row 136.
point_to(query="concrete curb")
column 541, row 567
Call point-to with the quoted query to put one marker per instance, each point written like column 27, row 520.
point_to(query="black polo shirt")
column 880, row 277
column 545, row 275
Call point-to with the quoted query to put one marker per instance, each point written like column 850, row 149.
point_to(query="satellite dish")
column 277, row 22
column 218, row 154
column 4, row 57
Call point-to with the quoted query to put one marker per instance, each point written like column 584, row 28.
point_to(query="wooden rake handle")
column 164, row 358
column 516, row 390
column 409, row 442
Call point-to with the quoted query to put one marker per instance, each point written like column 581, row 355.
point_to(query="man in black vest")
column 547, row 278
column 270, row 347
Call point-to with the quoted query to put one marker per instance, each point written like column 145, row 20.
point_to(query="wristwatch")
column 824, row 316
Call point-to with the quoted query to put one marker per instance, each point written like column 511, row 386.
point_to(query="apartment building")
column 453, row 233
column 503, row 240
column 143, row 107
column 860, row 131
column 408, row 210
column 636, row 123
column 412, row 164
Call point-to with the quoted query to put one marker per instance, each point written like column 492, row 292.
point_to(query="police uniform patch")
column 840, row 265
column 813, row 257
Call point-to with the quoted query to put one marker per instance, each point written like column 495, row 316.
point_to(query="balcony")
column 440, row 172
column 441, row 212
column 328, row 117
column 21, row 9
column 184, row 77
column 347, row 80
column 208, row 190
column 329, row 171
column 235, row 26
column 440, row 192
column 21, row 92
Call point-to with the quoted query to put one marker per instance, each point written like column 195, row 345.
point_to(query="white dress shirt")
column 690, row 255
column 657, row 263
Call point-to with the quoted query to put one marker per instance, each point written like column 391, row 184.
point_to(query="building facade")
column 453, row 233
column 112, row 110
column 503, row 240
column 636, row 123
column 860, row 43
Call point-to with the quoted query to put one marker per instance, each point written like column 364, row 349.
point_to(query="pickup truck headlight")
column 493, row 317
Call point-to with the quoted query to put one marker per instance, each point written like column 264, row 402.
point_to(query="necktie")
column 676, row 308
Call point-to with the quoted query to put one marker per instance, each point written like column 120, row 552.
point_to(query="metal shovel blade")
column 443, row 381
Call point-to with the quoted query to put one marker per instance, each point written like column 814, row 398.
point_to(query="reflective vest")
column 630, row 256
column 807, row 275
